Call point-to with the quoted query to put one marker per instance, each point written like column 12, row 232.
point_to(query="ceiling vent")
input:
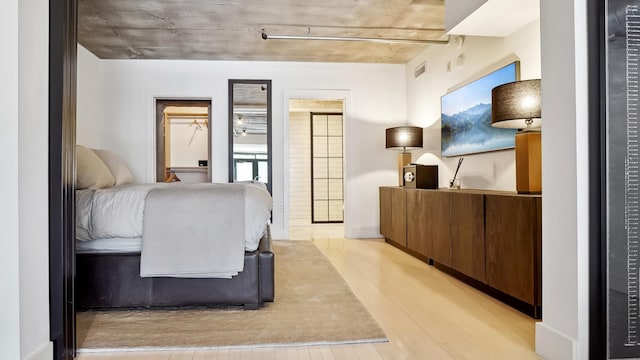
column 419, row 70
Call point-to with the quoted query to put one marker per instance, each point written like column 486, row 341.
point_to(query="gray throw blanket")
column 194, row 231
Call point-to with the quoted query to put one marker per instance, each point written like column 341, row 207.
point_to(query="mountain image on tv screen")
column 466, row 116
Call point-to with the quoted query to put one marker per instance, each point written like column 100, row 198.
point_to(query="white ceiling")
column 497, row 18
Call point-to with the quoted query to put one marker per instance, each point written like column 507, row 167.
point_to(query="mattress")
column 109, row 246
column 118, row 246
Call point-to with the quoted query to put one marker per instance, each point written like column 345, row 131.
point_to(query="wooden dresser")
column 489, row 239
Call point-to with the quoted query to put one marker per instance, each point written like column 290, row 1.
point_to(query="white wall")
column 33, row 176
column 9, row 246
column 24, row 305
column 563, row 333
column 90, row 102
column 376, row 100
column 495, row 170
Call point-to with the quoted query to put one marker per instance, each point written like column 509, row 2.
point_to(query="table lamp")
column 404, row 137
column 516, row 105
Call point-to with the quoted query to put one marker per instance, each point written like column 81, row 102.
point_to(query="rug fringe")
column 231, row 347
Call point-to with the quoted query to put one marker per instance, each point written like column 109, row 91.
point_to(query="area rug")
column 313, row 306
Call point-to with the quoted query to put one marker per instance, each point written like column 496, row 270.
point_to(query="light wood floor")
column 425, row 314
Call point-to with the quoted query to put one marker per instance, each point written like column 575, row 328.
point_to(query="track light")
column 265, row 36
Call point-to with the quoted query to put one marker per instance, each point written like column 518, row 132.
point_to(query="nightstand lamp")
column 403, row 137
column 516, row 105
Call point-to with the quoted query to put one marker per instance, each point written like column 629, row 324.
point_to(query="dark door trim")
column 597, row 180
column 62, row 138
column 230, row 129
column 313, row 198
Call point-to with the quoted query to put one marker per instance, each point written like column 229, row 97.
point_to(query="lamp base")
column 404, row 159
column 528, row 162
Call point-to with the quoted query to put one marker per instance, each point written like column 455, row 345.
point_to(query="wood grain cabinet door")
column 428, row 224
column 510, row 236
column 467, row 234
column 393, row 213
column 385, row 212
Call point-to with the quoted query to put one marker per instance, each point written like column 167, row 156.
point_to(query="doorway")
column 183, row 140
column 316, row 186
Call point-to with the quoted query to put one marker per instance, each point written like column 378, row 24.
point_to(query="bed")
column 172, row 245
column 111, row 280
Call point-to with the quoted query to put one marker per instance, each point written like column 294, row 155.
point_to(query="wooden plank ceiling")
column 231, row 30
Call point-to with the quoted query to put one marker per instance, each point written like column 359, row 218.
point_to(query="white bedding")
column 208, row 222
column 117, row 213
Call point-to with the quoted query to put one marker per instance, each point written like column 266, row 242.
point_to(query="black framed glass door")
column 614, row 92
column 327, row 179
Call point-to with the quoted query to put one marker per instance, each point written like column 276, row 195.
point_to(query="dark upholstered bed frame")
column 111, row 281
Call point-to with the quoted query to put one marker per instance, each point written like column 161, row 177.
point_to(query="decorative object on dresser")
column 466, row 116
column 488, row 239
column 454, row 183
column 421, row 176
column 517, row 106
column 405, row 137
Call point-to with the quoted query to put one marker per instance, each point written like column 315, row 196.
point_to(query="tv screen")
column 466, row 116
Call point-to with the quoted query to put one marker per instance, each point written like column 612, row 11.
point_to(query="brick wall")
column 299, row 168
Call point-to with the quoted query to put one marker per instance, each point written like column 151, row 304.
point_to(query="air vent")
column 419, row 70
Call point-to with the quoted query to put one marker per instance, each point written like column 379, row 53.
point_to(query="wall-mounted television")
column 466, row 116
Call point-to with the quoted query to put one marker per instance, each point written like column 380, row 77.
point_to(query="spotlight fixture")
column 244, row 132
column 266, row 36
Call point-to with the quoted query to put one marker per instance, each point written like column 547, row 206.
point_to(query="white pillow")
column 118, row 168
column 91, row 171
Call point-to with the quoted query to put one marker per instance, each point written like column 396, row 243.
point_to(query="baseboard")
column 553, row 345
column 45, row 352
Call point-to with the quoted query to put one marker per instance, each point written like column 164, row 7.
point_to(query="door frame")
column 160, row 103
column 313, row 222
column 230, row 136
column 315, row 94
column 62, row 139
